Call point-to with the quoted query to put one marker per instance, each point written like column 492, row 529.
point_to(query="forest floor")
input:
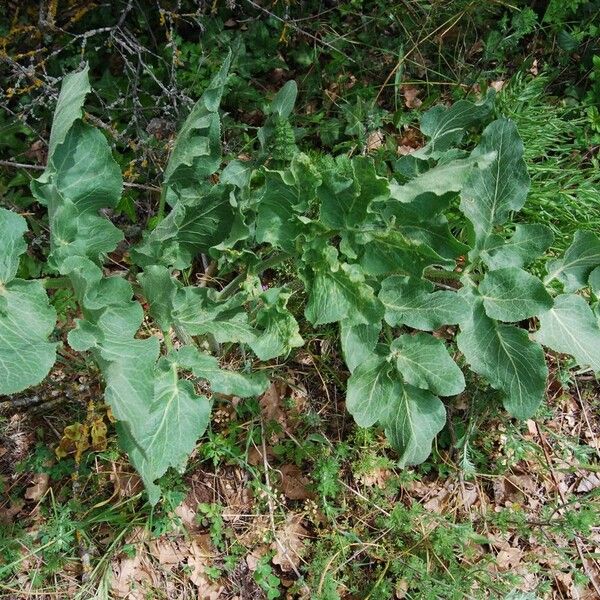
column 285, row 497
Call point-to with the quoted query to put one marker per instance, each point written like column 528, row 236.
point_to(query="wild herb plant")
column 374, row 253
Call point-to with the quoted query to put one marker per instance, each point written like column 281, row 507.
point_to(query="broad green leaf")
column 222, row 381
column 177, row 418
column 348, row 191
column 85, row 171
column 285, row 195
column 389, row 251
column 26, row 317
column 490, row 194
column 197, row 150
column 69, row 108
column 12, row 244
column 528, row 242
column 200, row 312
column 580, row 259
column 512, row 294
column 507, row 358
column 280, row 331
column 81, row 178
column 446, row 126
column 443, row 178
column 411, row 301
column 373, row 387
column 75, row 234
column 159, row 289
column 570, row 327
column 412, row 417
column 193, row 226
column 338, row 291
column 425, row 363
column 26, row 321
column 421, row 222
column 413, row 420
column 284, row 100
column 358, row 342
column 127, row 363
column 594, row 281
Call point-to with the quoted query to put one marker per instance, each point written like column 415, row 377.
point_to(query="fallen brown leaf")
column 294, row 484
column 410, row 94
column 40, row 486
column 289, row 543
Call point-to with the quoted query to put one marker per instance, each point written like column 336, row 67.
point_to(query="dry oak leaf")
column 509, row 558
column 289, row 543
column 200, row 557
column 294, row 484
column 374, row 141
column 410, row 93
column 40, row 486
column 167, row 552
column 376, row 477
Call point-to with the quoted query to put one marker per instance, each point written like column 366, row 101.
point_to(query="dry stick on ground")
column 578, row 542
column 272, row 510
column 17, row 165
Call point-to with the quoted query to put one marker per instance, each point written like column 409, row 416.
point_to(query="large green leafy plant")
column 372, row 251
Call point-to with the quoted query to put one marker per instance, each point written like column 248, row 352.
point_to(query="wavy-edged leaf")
column 358, row 342
column 159, row 289
column 413, row 420
column 26, row 317
column 170, row 428
column 222, row 381
column 528, row 242
column 490, row 194
column 199, row 311
column 580, row 259
column 372, row 388
column 194, row 225
column 507, row 358
column 443, row 178
column 279, row 329
column 512, row 294
column 412, row 301
column 388, row 251
column 347, row 192
column 197, row 150
column 283, row 198
column 446, row 126
column 338, row 291
column 69, row 107
column 425, row 363
column 570, row 327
